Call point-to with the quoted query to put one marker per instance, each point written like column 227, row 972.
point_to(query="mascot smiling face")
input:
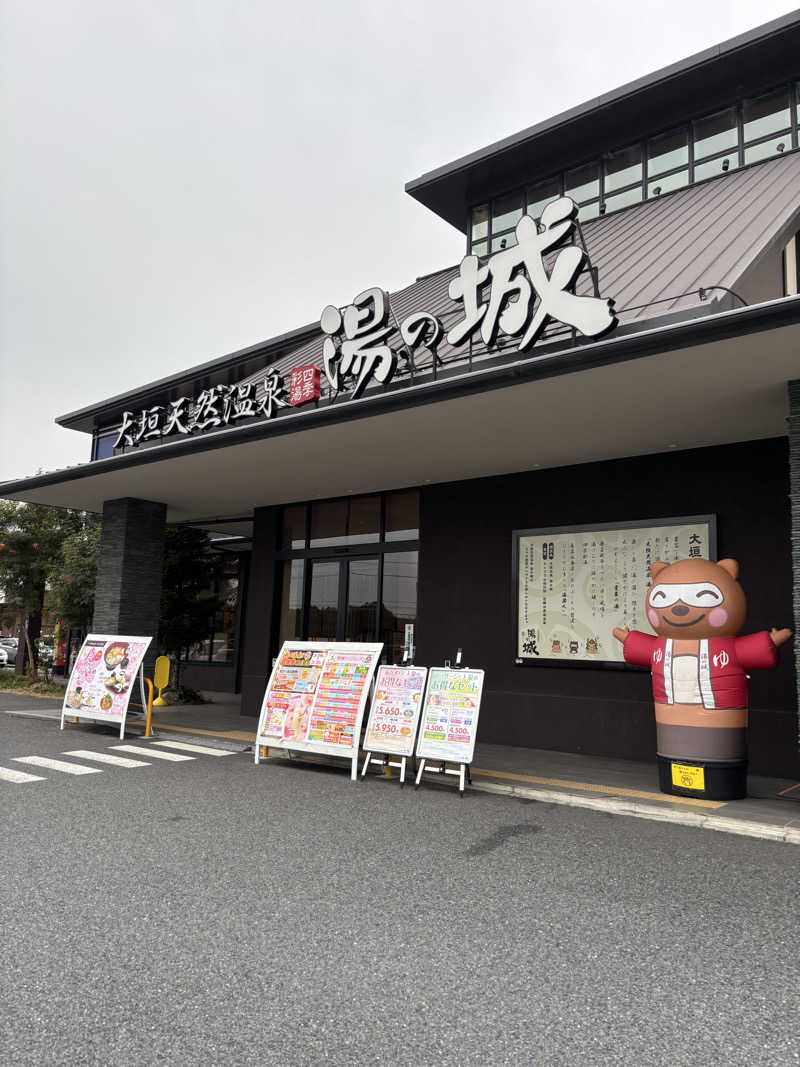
column 695, row 598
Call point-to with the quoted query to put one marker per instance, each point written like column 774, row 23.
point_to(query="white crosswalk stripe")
column 8, row 774
column 106, row 757
column 57, row 765
column 201, row 749
column 138, row 750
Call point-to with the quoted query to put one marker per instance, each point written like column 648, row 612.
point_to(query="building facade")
column 614, row 364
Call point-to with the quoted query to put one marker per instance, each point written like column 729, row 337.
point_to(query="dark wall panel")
column 466, row 596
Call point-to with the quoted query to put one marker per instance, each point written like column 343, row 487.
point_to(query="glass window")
column 224, row 637
column 716, row 133
column 797, row 98
column 668, row 151
column 291, row 620
column 402, row 515
column 481, row 248
column 583, row 183
column 362, row 600
column 293, row 527
column 323, row 606
column 623, row 168
column 713, row 167
column 508, row 240
column 506, row 212
column 480, row 222
column 542, row 194
column 589, row 211
column 104, row 445
column 666, row 184
column 619, row 200
column 767, row 148
column 766, row 114
column 345, row 522
column 399, row 607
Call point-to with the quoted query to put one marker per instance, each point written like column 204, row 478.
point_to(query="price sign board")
column 316, row 696
column 103, row 676
column 450, row 715
column 394, row 715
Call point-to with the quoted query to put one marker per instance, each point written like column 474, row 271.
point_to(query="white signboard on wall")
column 450, row 715
column 575, row 584
column 103, row 677
column 316, row 696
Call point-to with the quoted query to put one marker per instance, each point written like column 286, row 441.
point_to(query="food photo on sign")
column 104, row 672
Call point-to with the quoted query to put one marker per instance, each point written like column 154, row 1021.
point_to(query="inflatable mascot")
column 698, row 668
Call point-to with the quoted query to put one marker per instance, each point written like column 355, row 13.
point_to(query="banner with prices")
column 450, row 715
column 394, row 715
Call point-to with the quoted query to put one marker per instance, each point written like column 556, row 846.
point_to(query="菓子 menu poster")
column 394, row 715
column 576, row 584
column 450, row 715
column 288, row 699
column 103, row 676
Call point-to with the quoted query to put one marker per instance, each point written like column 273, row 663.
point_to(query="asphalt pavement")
column 206, row 910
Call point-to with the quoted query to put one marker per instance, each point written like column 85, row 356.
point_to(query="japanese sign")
column 450, row 715
column 103, row 676
column 394, row 715
column 316, row 696
column 513, row 293
column 575, row 584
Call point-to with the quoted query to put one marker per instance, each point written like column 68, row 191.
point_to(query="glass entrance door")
column 343, row 600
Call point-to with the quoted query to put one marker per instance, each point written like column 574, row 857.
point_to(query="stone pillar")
column 261, row 610
column 127, row 596
column 794, row 497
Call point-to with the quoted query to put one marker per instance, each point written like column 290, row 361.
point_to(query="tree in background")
column 72, row 593
column 31, row 547
column 187, row 604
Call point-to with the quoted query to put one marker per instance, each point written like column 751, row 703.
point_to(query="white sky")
column 183, row 179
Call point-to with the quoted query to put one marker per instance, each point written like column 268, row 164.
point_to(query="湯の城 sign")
column 512, row 294
column 576, row 583
column 316, row 696
column 394, row 715
column 450, row 715
column 103, row 677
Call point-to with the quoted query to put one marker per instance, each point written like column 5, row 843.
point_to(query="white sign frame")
column 396, row 750
column 449, row 751
column 374, row 649
column 98, row 715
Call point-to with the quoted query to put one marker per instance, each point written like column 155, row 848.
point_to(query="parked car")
column 9, row 645
column 3, row 656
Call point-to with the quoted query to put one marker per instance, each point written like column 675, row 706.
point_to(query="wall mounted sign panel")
column 574, row 584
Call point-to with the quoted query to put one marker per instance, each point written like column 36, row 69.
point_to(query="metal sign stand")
column 463, row 768
column 383, row 761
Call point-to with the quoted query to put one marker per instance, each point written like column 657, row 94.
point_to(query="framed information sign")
column 102, row 678
column 394, row 715
column 450, row 715
column 574, row 584
column 316, row 696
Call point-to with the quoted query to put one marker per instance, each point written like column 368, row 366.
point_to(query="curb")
column 743, row 827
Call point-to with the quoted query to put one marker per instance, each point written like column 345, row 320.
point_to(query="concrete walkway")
column 624, row 787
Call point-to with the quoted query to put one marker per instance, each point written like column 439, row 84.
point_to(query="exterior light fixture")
column 602, row 207
column 780, row 146
column 726, row 164
column 657, row 191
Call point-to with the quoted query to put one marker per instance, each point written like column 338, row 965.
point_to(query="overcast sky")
column 183, row 179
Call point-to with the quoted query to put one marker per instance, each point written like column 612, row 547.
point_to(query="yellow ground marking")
column 559, row 783
column 231, row 735
column 783, row 792
column 591, row 787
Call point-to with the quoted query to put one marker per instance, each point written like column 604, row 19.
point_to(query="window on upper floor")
column 747, row 132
